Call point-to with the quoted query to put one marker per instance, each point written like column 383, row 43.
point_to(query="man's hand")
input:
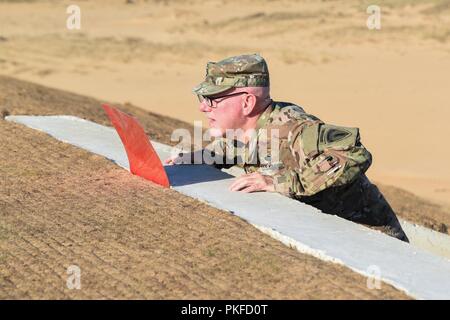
column 253, row 182
column 185, row 158
column 177, row 159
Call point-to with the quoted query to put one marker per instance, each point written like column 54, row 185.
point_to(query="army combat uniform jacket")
column 319, row 164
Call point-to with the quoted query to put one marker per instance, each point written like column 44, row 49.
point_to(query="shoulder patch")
column 338, row 137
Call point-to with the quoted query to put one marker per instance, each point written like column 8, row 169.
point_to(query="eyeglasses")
column 209, row 101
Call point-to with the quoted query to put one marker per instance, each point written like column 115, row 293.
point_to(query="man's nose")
column 203, row 107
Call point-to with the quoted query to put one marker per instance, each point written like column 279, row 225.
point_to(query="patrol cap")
column 234, row 72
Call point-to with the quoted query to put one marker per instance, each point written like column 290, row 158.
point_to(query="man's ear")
column 248, row 104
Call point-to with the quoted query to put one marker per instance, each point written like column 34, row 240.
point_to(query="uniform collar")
column 262, row 120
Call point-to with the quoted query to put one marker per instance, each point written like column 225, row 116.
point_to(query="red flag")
column 143, row 159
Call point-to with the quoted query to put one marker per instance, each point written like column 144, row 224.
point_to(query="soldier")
column 316, row 163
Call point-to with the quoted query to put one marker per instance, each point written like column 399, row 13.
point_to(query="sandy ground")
column 62, row 206
column 392, row 83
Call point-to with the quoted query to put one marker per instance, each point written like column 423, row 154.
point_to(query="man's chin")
column 216, row 132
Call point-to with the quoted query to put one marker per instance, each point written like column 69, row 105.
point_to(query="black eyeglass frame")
column 209, row 101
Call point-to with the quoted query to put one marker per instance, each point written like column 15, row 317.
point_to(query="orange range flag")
column 143, row 159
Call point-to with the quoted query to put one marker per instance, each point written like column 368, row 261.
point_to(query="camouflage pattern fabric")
column 320, row 164
column 234, row 72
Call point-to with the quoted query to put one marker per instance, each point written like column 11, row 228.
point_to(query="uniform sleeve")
column 326, row 156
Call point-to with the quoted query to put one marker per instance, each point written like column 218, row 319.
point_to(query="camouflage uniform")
column 319, row 164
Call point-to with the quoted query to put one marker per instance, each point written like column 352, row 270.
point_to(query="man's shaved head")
column 262, row 95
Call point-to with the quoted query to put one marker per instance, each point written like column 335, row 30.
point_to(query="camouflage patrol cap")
column 234, row 72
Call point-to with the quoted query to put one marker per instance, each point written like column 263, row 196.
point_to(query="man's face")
column 225, row 112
